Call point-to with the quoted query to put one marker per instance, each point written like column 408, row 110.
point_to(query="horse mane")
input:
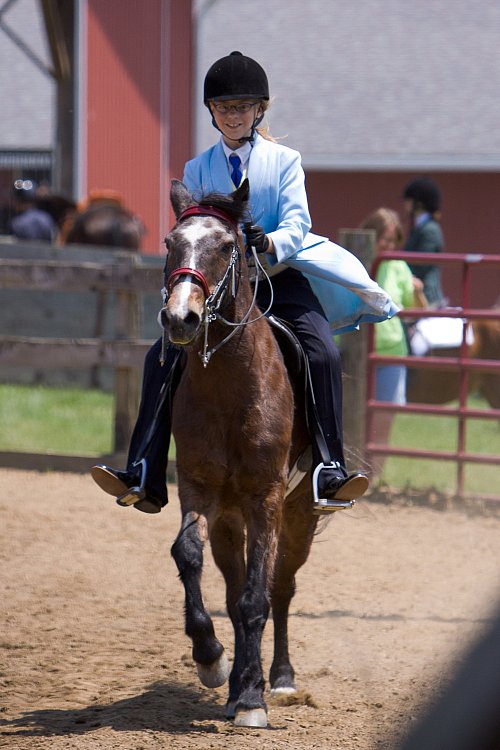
column 236, row 209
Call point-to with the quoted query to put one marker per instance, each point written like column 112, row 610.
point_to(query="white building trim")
column 404, row 163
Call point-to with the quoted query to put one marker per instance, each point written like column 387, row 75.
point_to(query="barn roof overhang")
column 403, row 163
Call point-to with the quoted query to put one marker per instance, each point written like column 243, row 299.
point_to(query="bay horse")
column 238, row 428
column 441, row 386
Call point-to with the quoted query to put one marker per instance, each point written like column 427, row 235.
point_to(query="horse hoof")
column 254, row 717
column 230, row 710
column 283, row 691
column 215, row 674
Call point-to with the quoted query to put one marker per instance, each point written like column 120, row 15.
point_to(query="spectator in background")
column 422, row 204
column 405, row 290
column 30, row 222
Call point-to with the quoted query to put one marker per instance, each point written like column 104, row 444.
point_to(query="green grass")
column 80, row 422
column 56, row 420
column 440, row 433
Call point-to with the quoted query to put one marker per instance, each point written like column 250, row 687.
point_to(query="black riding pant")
column 294, row 302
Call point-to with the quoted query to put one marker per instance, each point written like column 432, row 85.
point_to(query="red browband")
column 217, row 213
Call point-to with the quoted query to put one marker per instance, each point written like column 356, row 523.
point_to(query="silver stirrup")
column 323, row 505
column 133, row 494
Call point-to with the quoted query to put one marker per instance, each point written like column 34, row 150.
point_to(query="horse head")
column 204, row 260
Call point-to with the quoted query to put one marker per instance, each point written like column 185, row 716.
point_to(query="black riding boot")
column 144, row 483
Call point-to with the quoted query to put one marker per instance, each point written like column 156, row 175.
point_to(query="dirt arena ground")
column 93, row 653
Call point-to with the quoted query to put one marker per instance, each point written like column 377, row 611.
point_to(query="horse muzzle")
column 181, row 329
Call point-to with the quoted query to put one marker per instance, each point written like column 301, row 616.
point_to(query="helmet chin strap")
column 246, row 138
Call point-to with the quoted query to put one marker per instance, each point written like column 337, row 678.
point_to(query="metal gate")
column 463, row 364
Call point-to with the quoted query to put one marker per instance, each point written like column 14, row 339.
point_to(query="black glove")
column 256, row 237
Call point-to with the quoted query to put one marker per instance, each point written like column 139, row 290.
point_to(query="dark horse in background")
column 103, row 221
column 238, row 430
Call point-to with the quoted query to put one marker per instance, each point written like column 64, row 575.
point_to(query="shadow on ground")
column 165, row 706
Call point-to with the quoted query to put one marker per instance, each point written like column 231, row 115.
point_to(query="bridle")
column 186, row 271
column 229, row 280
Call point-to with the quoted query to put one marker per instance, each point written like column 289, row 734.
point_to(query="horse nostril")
column 163, row 318
column 192, row 320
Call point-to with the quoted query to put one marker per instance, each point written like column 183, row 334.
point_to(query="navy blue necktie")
column 236, row 173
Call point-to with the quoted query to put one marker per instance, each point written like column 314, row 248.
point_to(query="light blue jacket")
column 278, row 202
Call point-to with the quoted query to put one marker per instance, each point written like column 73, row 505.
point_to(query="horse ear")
column 180, row 197
column 242, row 193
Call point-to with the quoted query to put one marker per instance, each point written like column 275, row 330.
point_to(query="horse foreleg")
column 208, row 652
column 227, row 540
column 253, row 606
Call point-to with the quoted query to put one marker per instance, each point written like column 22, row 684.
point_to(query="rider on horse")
column 236, row 93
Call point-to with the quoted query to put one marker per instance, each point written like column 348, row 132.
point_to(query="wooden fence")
column 128, row 276
column 121, row 280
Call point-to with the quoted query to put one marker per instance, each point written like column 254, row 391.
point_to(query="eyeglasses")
column 222, row 108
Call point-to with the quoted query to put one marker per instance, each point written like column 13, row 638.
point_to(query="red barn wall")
column 136, row 117
column 469, row 214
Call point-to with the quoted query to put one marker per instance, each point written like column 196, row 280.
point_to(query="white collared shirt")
column 243, row 152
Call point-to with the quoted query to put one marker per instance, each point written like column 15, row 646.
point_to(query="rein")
column 212, row 314
column 214, row 299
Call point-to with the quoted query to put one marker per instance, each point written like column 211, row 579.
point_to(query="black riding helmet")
column 236, row 76
column 424, row 190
